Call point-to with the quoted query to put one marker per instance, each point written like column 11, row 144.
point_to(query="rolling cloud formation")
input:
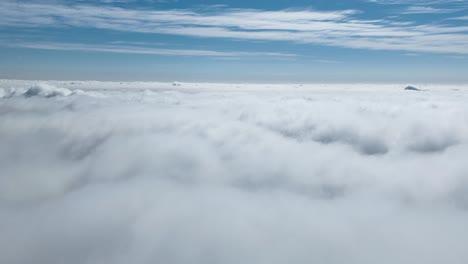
column 209, row 173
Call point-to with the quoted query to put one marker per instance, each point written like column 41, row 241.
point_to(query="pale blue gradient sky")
column 236, row 41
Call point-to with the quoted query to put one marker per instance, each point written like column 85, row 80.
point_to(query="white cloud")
column 217, row 173
column 461, row 18
column 145, row 50
column 332, row 28
column 417, row 2
column 427, row 10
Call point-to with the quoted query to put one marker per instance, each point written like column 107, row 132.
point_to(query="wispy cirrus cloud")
column 341, row 28
column 427, row 10
column 146, row 50
column 416, row 2
column 460, row 18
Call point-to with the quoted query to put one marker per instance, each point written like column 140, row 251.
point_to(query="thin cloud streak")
column 460, row 18
column 415, row 2
column 427, row 10
column 148, row 51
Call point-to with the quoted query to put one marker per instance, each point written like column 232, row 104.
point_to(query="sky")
column 262, row 41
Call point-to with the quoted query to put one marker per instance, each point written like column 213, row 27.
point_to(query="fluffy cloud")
column 212, row 173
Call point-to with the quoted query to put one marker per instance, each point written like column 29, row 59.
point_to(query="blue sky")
column 236, row 41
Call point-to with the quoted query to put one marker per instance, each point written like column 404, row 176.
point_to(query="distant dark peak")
column 411, row 88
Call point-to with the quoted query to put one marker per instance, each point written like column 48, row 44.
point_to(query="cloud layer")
column 212, row 173
column 341, row 28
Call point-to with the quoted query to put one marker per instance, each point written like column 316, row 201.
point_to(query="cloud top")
column 213, row 173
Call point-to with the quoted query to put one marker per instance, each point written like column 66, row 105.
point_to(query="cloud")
column 133, row 1
column 45, row 90
column 146, row 50
column 460, row 18
column 340, row 28
column 219, row 173
column 427, row 10
column 417, row 2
